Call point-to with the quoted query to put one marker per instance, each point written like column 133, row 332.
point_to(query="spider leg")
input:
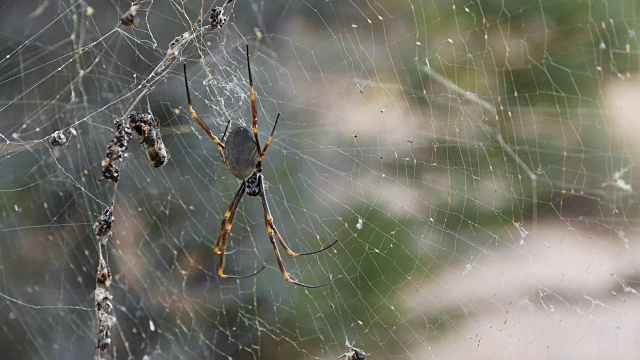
column 271, row 229
column 232, row 207
column 230, row 215
column 261, row 153
column 225, row 130
column 254, row 115
column 270, row 137
column 254, row 110
column 200, row 122
column 284, row 245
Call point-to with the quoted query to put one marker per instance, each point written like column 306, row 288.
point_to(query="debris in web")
column 115, row 151
column 58, row 139
column 130, row 16
column 623, row 237
column 523, row 232
column 141, row 124
column 218, row 19
column 353, row 353
column 102, row 226
column 618, row 181
column 102, row 230
column 148, row 130
column 175, row 47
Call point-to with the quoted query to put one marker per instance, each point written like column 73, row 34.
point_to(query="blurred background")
column 475, row 160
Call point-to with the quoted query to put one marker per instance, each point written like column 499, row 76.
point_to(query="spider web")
column 474, row 159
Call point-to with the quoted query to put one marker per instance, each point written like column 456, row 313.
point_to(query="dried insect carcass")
column 157, row 154
column 130, row 16
column 218, row 19
column 148, row 130
column 141, row 123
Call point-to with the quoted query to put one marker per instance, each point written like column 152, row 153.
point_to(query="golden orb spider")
column 241, row 154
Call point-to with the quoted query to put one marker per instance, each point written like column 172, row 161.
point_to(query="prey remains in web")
column 148, row 130
column 130, row 17
column 242, row 155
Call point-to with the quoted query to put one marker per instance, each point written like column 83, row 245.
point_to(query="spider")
column 243, row 157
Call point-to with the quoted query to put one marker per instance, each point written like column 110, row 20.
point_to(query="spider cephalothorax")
column 242, row 155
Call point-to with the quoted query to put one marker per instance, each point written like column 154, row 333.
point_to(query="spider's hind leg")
column 271, row 229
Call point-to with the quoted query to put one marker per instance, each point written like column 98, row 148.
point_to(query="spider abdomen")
column 240, row 152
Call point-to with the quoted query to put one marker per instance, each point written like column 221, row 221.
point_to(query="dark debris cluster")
column 102, row 226
column 147, row 128
column 218, row 19
column 115, row 151
column 102, row 230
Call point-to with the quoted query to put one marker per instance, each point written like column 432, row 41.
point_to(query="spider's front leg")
column 204, row 126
